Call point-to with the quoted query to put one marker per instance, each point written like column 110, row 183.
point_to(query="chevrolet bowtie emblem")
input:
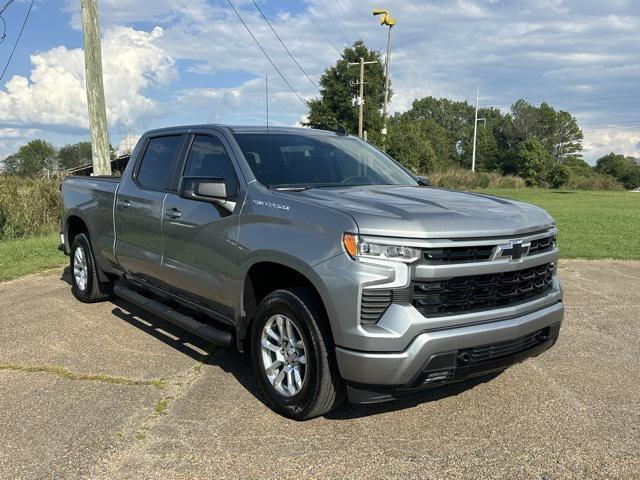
column 513, row 251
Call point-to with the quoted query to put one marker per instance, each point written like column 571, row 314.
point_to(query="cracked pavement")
column 109, row 391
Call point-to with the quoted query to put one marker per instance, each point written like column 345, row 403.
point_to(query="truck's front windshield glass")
column 280, row 160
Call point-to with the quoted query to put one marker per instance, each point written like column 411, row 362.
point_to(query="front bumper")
column 437, row 357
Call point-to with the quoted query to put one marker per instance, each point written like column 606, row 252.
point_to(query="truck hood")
column 418, row 212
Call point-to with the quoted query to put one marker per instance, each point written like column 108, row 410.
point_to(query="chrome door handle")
column 173, row 213
column 124, row 203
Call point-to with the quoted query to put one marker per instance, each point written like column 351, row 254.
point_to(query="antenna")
column 266, row 89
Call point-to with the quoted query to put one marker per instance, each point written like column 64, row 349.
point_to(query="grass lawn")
column 591, row 224
column 31, row 255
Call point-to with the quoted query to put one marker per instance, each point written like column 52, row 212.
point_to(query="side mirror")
column 424, row 181
column 207, row 189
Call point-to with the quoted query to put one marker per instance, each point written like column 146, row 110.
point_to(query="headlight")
column 359, row 249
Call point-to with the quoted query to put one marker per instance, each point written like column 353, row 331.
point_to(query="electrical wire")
column 346, row 17
column 334, row 22
column 580, row 100
column 4, row 70
column 321, row 29
column 267, row 55
column 284, row 46
column 6, row 5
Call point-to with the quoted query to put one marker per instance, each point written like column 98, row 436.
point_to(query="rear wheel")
column 293, row 355
column 85, row 282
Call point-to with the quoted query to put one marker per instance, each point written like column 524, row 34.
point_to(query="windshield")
column 307, row 161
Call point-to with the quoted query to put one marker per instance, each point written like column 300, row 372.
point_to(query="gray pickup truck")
column 342, row 273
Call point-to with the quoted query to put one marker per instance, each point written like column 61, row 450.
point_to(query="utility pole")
column 95, row 88
column 475, row 130
column 360, row 102
column 386, row 19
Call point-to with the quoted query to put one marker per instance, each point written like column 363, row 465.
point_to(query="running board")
column 202, row 330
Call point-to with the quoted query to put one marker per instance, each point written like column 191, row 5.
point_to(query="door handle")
column 124, row 203
column 173, row 213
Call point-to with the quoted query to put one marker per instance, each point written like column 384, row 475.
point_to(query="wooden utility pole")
column 362, row 63
column 95, row 88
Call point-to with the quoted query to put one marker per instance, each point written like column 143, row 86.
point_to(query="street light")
column 388, row 20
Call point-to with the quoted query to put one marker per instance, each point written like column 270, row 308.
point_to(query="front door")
column 138, row 212
column 200, row 237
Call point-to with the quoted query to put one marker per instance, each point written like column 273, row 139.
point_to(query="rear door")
column 200, row 237
column 139, row 207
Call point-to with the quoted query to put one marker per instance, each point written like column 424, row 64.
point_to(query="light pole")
column 389, row 21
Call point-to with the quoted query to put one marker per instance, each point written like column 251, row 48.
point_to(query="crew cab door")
column 200, row 236
column 139, row 207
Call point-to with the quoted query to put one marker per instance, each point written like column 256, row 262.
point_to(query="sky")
column 171, row 62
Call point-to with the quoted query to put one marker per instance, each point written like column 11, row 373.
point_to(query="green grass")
column 591, row 224
column 22, row 256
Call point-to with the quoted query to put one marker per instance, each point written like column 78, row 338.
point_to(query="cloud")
column 54, row 94
column 599, row 142
column 560, row 51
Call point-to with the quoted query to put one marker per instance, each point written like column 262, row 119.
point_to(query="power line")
column 334, row 22
column 267, row 55
column 6, row 5
column 346, row 17
column 284, row 46
column 4, row 70
column 322, row 31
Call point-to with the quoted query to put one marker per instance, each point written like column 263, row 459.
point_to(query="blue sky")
column 171, row 62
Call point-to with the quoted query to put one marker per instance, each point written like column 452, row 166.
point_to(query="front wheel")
column 85, row 282
column 293, row 356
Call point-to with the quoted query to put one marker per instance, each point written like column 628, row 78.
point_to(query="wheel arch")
column 265, row 276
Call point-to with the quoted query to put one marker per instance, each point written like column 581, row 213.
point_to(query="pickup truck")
column 341, row 273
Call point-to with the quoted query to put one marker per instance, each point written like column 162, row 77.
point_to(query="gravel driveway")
column 108, row 391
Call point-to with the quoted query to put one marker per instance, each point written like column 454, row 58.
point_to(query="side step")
column 202, row 330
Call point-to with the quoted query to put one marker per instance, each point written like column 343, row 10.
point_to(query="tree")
column 10, row 164
column 71, row 156
column 422, row 146
column 339, row 86
column 34, row 158
column 557, row 131
column 558, row 176
column 533, row 162
column 625, row 169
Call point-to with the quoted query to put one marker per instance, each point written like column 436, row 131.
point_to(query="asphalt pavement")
column 109, row 391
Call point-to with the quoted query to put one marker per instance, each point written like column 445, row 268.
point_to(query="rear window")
column 159, row 162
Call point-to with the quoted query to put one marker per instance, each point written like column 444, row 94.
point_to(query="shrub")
column 28, row 206
column 593, row 181
column 460, row 179
column 558, row 176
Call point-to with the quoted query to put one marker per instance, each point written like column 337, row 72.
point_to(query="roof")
column 248, row 129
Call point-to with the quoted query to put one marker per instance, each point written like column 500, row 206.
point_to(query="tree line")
column 538, row 143
column 39, row 157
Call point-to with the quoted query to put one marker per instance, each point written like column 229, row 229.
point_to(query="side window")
column 158, row 162
column 209, row 158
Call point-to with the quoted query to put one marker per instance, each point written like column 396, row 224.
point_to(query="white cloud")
column 599, row 142
column 54, row 94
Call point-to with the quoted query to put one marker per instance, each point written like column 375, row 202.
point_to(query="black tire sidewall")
column 284, row 302
column 81, row 241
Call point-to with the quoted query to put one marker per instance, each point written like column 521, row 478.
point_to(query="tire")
column 322, row 389
column 86, row 287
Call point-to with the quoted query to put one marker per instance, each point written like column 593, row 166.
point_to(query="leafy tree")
column 558, row 176
column 33, row 158
column 339, row 86
column 533, row 162
column 71, row 156
column 625, row 169
column 422, row 146
column 557, row 131
column 10, row 164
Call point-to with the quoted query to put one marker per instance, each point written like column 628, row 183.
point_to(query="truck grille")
column 479, row 253
column 481, row 292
